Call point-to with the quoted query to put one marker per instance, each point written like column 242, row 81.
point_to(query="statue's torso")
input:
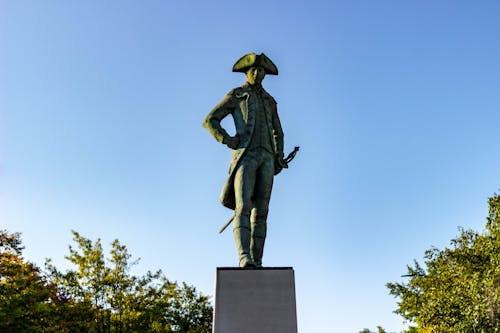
column 253, row 118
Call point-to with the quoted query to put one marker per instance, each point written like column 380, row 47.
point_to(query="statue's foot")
column 246, row 262
column 257, row 263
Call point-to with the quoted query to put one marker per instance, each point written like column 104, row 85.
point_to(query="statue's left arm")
column 278, row 140
column 213, row 121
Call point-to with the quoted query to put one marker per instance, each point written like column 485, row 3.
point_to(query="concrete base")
column 255, row 300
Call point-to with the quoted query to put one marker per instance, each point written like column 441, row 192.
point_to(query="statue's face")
column 255, row 75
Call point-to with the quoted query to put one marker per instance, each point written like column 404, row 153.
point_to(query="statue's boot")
column 242, row 236
column 259, row 229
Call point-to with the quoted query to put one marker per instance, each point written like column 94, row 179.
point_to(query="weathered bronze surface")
column 257, row 149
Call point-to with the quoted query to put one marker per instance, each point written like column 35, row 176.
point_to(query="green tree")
column 122, row 302
column 22, row 288
column 29, row 302
column 458, row 289
column 379, row 330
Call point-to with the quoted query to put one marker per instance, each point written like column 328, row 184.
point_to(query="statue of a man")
column 257, row 154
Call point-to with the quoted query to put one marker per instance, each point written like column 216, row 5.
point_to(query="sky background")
column 395, row 105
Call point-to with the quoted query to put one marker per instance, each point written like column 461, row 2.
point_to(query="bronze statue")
column 257, row 154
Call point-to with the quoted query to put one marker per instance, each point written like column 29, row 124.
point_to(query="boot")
column 257, row 244
column 242, row 238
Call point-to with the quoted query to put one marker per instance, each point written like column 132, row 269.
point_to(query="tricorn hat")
column 252, row 59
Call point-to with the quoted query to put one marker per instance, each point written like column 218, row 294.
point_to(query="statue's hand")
column 232, row 142
column 279, row 163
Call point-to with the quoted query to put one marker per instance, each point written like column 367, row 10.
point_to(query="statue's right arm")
column 219, row 112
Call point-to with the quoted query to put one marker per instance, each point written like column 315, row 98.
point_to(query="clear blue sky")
column 395, row 104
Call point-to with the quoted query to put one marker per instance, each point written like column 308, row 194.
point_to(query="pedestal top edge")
column 253, row 268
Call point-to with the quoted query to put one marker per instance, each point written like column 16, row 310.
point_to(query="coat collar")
column 254, row 87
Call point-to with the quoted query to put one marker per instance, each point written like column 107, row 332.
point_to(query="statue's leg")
column 244, row 182
column 262, row 195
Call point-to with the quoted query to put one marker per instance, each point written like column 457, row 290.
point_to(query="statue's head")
column 255, row 67
column 255, row 75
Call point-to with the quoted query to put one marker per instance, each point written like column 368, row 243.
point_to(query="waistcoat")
column 261, row 137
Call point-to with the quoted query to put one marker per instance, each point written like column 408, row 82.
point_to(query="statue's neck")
column 254, row 85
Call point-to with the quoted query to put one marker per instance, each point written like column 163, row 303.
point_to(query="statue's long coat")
column 242, row 104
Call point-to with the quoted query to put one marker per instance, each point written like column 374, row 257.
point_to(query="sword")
column 287, row 160
column 226, row 225
column 291, row 156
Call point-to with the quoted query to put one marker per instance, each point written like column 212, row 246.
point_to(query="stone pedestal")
column 255, row 300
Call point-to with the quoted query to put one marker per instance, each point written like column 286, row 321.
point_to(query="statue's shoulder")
column 268, row 96
column 236, row 92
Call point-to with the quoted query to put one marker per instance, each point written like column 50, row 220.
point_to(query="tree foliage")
column 29, row 301
column 379, row 330
column 458, row 288
column 22, row 288
column 99, row 295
